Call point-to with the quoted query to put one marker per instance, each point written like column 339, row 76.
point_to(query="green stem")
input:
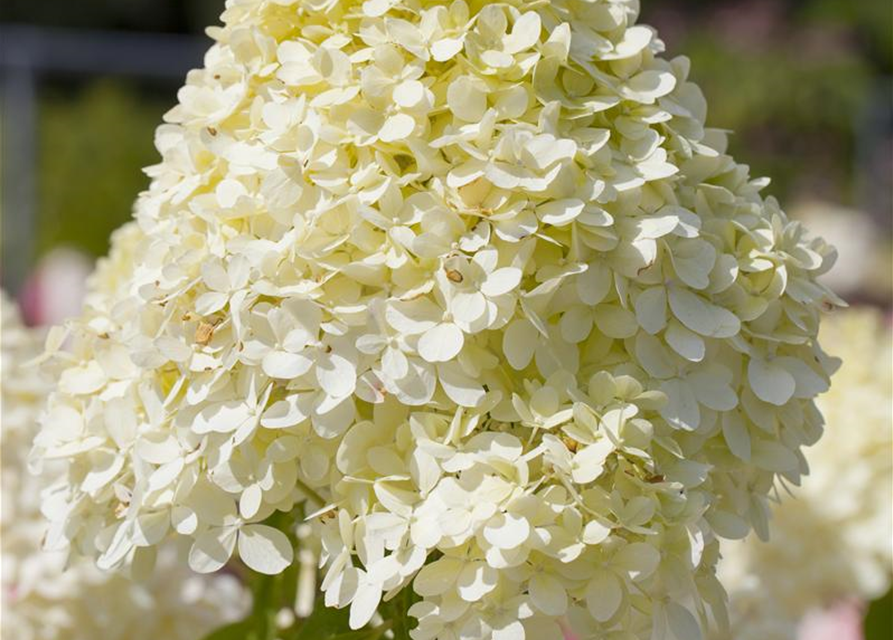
column 310, row 493
column 398, row 613
column 263, row 615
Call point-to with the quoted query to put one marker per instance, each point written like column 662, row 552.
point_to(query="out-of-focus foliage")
column 140, row 15
column 795, row 80
column 871, row 18
column 93, row 143
column 771, row 106
column 879, row 621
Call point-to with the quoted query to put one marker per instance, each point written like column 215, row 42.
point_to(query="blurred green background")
column 805, row 85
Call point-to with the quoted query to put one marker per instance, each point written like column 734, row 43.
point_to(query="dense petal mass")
column 827, row 547
column 46, row 593
column 476, row 274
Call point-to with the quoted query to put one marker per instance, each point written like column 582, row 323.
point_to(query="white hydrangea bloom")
column 476, row 276
column 43, row 599
column 831, row 538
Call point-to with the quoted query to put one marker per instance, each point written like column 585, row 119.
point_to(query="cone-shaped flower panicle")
column 476, row 277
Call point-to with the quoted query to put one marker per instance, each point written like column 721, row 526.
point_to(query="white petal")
column 397, row 127
column 615, row 321
column 501, row 281
column 417, row 387
column 212, row 550
column 519, row 343
column 634, row 40
column 446, row 48
column 507, row 531
column 468, row 307
column 265, row 549
column 476, row 580
column 736, row 434
column 511, row 630
column 638, row 559
column 809, row 383
column 712, row 389
column 82, row 380
column 285, row 365
column 513, row 102
column 213, row 273
column 365, row 603
column 157, row 448
column 336, row 375
column 438, row 577
column 441, row 343
column 681, row 410
column 336, row 420
column 774, row 456
column 185, row 520
column 210, row 302
column 394, row 364
column 588, row 462
column 525, row 33
column 221, row 417
column 104, row 467
column 685, row 342
column 594, row 532
column 286, row 413
column 682, row 622
column 647, row 86
column 701, row 316
column 174, row 349
column 559, row 212
column 412, row 318
column 656, row 226
column 121, row 544
column 467, row 98
column 228, row 192
column 548, row 594
column 651, row 309
column 604, row 594
column 250, row 501
column 460, row 387
column 594, row 284
column 770, row 381
column 409, row 94
column 728, row 525
column 546, row 150
column 693, row 261
column 576, row 324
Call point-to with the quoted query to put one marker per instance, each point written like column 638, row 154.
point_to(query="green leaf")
column 879, row 619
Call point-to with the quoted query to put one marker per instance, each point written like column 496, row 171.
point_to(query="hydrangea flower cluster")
column 828, row 546
column 476, row 279
column 43, row 599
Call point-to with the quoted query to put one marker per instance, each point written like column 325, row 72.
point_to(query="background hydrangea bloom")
column 45, row 600
column 475, row 279
column 828, row 548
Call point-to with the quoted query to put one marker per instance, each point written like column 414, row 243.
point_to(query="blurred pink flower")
column 56, row 288
column 842, row 621
column 566, row 631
